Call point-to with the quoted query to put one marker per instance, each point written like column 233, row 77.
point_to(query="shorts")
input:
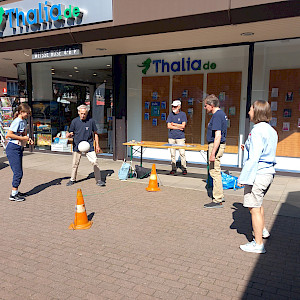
column 254, row 194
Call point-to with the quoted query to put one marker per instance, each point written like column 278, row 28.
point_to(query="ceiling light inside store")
column 77, row 71
column 52, row 69
column 53, row 73
column 101, row 49
column 108, row 65
column 75, row 68
column 247, row 33
column 95, row 74
column 104, row 80
column 70, row 75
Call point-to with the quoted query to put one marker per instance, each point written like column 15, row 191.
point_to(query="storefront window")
column 59, row 87
column 155, row 79
column 276, row 79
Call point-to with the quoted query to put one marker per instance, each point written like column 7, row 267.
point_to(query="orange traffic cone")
column 153, row 186
column 81, row 220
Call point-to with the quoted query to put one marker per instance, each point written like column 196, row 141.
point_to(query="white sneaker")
column 265, row 233
column 253, row 247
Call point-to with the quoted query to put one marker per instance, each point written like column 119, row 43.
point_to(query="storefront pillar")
column 119, row 63
column 29, row 98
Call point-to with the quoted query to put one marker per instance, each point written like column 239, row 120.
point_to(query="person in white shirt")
column 258, row 170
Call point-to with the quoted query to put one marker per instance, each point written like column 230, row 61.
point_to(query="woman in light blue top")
column 17, row 135
column 258, row 170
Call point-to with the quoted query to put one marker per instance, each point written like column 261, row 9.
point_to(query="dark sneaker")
column 184, row 172
column 214, row 205
column 17, row 198
column 172, row 172
column 22, row 194
column 100, row 183
column 70, row 182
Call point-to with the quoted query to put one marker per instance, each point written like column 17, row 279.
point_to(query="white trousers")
column 92, row 157
column 181, row 152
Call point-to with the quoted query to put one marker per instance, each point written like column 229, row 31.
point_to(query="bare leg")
column 262, row 211
column 257, row 223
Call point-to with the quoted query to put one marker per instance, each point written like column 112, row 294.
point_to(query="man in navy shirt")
column 216, row 139
column 84, row 128
column 176, row 123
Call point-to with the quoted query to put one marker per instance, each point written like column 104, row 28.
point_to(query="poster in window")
column 222, row 96
column 163, row 116
column 274, row 93
column 228, row 123
column 191, row 101
column 155, row 95
column 155, row 109
column 163, row 105
column 190, row 112
column 273, row 122
column 154, row 122
column 289, row 97
column 44, row 139
column 146, row 116
column 147, row 105
column 274, row 106
column 185, row 93
column 286, row 126
column 232, row 111
column 287, row 113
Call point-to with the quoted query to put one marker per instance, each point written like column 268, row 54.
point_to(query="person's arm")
column 70, row 133
column 30, row 141
column 256, row 147
column 216, row 145
column 11, row 135
column 96, row 139
column 172, row 125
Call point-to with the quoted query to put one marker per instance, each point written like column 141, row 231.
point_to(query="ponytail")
column 22, row 107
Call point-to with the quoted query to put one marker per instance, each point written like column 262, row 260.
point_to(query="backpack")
column 142, row 172
column 124, row 171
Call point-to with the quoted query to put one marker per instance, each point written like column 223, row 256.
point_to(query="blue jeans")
column 15, row 156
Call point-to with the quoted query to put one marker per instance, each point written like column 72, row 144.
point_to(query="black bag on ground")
column 142, row 172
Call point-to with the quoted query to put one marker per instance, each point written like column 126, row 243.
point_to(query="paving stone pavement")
column 142, row 245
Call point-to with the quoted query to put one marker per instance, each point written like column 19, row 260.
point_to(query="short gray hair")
column 83, row 106
column 212, row 100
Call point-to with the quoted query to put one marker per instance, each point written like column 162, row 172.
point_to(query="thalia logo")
column 176, row 66
column 45, row 13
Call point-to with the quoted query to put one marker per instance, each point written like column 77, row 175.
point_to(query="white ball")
column 84, row 146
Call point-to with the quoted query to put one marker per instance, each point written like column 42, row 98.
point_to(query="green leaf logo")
column 2, row 12
column 146, row 65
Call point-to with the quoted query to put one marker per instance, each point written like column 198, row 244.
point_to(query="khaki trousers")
column 91, row 156
column 215, row 172
column 181, row 152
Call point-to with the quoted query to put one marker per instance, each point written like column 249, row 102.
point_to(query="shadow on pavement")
column 179, row 173
column 43, row 186
column 241, row 220
column 104, row 175
column 90, row 216
column 3, row 163
column 277, row 273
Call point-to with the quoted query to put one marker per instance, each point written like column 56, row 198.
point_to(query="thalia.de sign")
column 45, row 13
